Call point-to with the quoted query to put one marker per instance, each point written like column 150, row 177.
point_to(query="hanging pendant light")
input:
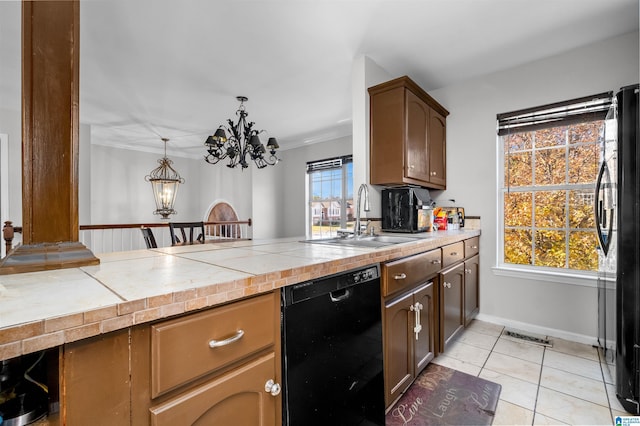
column 164, row 183
column 242, row 145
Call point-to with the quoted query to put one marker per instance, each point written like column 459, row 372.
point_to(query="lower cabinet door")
column 424, row 342
column 451, row 303
column 95, row 373
column 235, row 398
column 471, row 288
column 398, row 354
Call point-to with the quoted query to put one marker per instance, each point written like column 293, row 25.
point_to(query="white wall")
column 120, row 193
column 266, row 199
column 10, row 125
column 217, row 182
column 365, row 73
column 554, row 307
column 84, row 180
column 292, row 182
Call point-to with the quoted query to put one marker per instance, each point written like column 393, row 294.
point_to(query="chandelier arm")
column 243, row 142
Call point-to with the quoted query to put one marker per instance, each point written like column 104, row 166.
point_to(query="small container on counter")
column 425, row 218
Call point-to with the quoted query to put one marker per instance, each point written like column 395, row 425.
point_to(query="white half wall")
column 472, row 170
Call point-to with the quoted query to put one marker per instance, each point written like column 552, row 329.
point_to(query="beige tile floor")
column 563, row 384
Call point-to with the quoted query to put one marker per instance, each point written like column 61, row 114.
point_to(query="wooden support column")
column 50, row 129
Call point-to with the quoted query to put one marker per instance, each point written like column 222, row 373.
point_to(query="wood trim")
column 50, row 96
column 406, row 82
column 50, row 132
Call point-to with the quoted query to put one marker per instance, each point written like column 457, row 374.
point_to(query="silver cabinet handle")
column 436, row 261
column 446, row 284
column 453, row 253
column 400, row 276
column 467, row 271
column 433, row 173
column 474, row 247
column 225, row 342
column 272, row 387
column 416, row 307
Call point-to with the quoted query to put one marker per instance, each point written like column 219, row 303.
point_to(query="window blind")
column 332, row 163
column 588, row 108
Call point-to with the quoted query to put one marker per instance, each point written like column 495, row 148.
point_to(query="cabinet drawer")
column 181, row 348
column 452, row 253
column 471, row 246
column 406, row 273
column 238, row 397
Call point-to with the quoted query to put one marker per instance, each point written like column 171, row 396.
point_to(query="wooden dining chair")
column 187, row 231
column 149, row 239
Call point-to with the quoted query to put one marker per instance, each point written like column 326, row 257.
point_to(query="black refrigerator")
column 617, row 210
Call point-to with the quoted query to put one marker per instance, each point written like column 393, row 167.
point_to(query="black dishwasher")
column 332, row 350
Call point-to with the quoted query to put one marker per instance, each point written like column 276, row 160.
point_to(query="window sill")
column 586, row 279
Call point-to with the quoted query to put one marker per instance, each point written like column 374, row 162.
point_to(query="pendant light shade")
column 164, row 183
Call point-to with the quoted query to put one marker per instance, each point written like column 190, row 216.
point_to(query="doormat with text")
column 442, row 396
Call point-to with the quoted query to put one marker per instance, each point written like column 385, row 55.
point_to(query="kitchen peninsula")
column 62, row 308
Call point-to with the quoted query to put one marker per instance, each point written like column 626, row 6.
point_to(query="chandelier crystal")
column 164, row 183
column 242, row 145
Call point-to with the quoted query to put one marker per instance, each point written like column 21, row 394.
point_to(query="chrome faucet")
column 357, row 232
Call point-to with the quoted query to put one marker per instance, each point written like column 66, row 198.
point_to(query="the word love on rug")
column 442, row 396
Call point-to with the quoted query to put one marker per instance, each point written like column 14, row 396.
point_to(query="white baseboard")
column 536, row 329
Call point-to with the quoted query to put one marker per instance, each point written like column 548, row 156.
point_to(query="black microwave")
column 402, row 208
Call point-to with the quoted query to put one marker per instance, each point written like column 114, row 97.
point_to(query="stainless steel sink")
column 372, row 241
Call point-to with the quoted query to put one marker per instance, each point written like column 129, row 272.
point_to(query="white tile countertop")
column 41, row 310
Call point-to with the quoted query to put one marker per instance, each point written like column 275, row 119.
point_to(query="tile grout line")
column 490, row 352
column 535, row 404
column 606, row 392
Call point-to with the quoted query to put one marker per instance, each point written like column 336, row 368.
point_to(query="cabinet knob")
column 474, row 247
column 412, row 166
column 433, row 173
column 436, row 261
column 400, row 276
column 453, row 253
column 272, row 387
column 467, row 271
column 446, row 284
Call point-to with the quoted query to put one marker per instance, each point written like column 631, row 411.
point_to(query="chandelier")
column 243, row 144
column 164, row 183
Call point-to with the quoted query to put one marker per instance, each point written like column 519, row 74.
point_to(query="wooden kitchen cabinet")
column 471, row 279
column 216, row 366
column 181, row 348
column 237, row 397
column 407, row 137
column 409, row 339
column 471, row 288
column 459, row 288
column 451, row 304
column 94, row 376
column 409, row 318
column 437, row 149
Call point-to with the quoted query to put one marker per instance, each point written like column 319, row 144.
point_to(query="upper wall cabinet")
column 408, row 136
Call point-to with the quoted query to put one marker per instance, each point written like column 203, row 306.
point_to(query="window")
column 330, row 205
column 549, row 162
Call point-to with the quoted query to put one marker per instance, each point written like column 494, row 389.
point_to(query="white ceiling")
column 172, row 68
